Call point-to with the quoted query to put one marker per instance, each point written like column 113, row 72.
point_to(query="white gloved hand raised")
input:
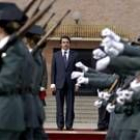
column 111, row 51
column 110, row 108
column 98, row 54
column 119, row 92
column 106, row 96
column 81, row 66
column 76, row 74
column 128, row 95
column 121, row 100
column 100, row 94
column 107, row 32
column 82, row 80
column 102, row 63
column 112, row 47
column 98, row 103
column 135, row 85
column 103, row 95
column 118, row 46
column 106, row 42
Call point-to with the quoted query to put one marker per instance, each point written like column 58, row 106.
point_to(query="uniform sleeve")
column 102, row 81
column 130, row 50
column 10, row 68
column 125, row 63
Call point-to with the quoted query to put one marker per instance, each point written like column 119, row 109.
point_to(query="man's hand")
column 53, row 87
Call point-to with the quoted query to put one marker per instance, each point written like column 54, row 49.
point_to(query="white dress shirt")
column 67, row 54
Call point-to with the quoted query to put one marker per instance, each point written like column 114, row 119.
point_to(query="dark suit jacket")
column 60, row 74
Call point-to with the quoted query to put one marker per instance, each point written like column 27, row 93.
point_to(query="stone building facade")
column 123, row 14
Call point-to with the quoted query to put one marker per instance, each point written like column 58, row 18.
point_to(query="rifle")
column 25, row 28
column 37, row 8
column 29, row 5
column 42, row 40
column 113, row 85
column 48, row 20
column 31, row 21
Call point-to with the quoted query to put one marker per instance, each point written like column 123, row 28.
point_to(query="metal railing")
column 87, row 31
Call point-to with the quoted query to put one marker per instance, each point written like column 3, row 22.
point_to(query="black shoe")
column 100, row 129
column 60, row 128
column 69, row 128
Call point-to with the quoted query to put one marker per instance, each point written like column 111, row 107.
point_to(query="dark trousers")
column 66, row 93
column 34, row 134
column 9, row 135
column 103, row 119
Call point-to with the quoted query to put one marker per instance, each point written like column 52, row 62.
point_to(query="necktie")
column 65, row 58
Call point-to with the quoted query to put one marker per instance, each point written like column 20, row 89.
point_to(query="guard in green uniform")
column 11, row 105
column 35, row 119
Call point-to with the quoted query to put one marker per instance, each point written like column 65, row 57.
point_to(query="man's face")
column 65, row 44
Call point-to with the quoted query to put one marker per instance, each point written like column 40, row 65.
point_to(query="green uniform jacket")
column 11, row 105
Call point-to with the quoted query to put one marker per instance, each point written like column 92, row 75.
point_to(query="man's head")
column 65, row 42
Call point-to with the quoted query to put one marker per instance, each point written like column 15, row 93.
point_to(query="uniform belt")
column 15, row 91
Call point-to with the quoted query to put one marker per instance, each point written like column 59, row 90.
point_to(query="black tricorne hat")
column 10, row 11
column 36, row 30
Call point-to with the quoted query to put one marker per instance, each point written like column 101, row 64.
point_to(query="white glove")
column 98, row 54
column 102, row 63
column 119, row 92
column 107, row 32
column 128, row 95
column 103, row 95
column 81, row 66
column 121, row 100
column 110, row 108
column 112, row 47
column 76, row 74
column 118, row 45
column 135, row 85
column 111, row 51
column 82, row 80
column 98, row 103
column 106, row 42
column 100, row 94
column 106, row 96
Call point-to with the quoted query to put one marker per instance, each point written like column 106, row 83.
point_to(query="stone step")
column 85, row 112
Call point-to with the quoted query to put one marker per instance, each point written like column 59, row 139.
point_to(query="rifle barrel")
column 29, row 5
column 51, row 30
column 34, row 19
column 37, row 8
column 48, row 20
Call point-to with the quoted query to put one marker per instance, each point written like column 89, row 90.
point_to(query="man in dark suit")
column 63, row 64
